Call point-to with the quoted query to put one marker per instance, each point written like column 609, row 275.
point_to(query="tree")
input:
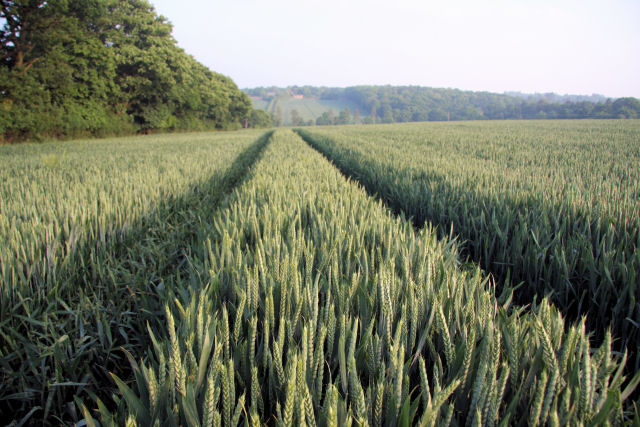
column 259, row 119
column 295, row 117
column 56, row 75
column 325, row 119
column 29, row 28
column 99, row 66
column 344, row 117
column 387, row 114
column 148, row 62
column 626, row 108
column 356, row 116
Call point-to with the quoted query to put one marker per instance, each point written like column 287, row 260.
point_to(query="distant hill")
column 302, row 105
column 308, row 109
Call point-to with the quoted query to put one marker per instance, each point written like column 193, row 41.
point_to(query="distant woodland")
column 393, row 104
column 102, row 67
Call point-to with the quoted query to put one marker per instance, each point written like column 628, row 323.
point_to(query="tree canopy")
column 77, row 67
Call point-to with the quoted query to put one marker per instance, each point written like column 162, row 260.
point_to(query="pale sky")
column 566, row 47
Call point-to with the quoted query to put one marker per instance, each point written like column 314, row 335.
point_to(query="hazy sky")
column 576, row 47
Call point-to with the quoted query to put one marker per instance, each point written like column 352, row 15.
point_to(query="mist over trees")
column 394, row 104
column 100, row 67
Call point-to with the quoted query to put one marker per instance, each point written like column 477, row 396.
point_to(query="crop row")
column 553, row 206
column 91, row 234
column 304, row 301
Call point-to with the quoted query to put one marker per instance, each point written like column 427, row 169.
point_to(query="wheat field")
column 242, row 279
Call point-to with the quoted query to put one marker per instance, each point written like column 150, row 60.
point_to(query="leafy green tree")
column 56, row 76
column 325, row 119
column 259, row 119
column 626, row 108
column 103, row 66
column 148, row 63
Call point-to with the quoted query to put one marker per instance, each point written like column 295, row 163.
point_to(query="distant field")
column 308, row 108
column 260, row 104
column 242, row 278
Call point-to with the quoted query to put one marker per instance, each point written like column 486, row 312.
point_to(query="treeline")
column 407, row 103
column 390, row 104
column 554, row 97
column 104, row 67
